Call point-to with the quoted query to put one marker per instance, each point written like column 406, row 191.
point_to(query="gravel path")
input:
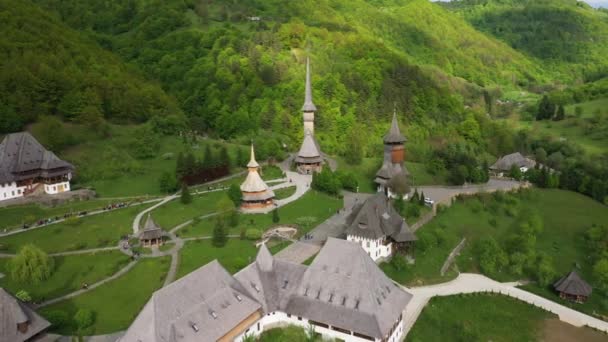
column 91, row 287
column 474, row 283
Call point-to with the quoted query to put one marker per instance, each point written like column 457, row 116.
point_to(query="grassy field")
column 308, row 211
column 108, row 165
column 589, row 107
column 100, row 230
column 69, row 274
column 116, row 303
column 15, row 216
column 486, row 318
column 566, row 216
column 290, row 333
column 571, row 129
column 284, row 192
column 234, row 256
column 175, row 212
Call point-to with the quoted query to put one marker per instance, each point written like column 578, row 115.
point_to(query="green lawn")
column 270, row 172
column 175, row 212
column 100, row 230
column 486, row 318
column 70, row 273
column 589, row 107
column 15, row 216
column 571, row 129
column 118, row 302
column 234, row 256
column 290, row 333
column 108, row 165
column 566, row 215
column 308, row 211
column 284, row 192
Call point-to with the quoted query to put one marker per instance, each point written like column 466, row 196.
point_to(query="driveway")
column 444, row 194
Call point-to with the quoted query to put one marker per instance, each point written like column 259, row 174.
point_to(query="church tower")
column 394, row 156
column 309, row 107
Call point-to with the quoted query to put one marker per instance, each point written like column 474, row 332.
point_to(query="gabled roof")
column 342, row 287
column 389, row 170
column 209, row 300
column 151, row 230
column 345, row 288
column 22, row 153
column 506, row 162
column 394, row 135
column 308, row 106
column 309, row 151
column 376, row 218
column 572, row 284
column 13, row 312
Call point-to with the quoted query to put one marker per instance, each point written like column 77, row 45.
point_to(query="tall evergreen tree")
column 219, row 237
column 208, row 158
column 186, row 197
column 180, row 170
column 421, row 200
column 224, row 158
column 561, row 113
column 546, row 109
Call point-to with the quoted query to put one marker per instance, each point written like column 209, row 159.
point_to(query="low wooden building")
column 152, row 235
column 573, row 287
column 18, row 322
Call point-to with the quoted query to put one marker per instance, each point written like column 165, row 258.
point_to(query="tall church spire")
column 308, row 106
column 394, row 134
column 253, row 164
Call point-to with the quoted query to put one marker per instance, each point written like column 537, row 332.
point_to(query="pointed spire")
column 394, row 134
column 252, row 163
column 264, row 259
column 308, row 106
column 150, row 224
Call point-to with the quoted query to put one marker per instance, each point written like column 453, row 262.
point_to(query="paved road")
column 473, row 283
column 444, row 194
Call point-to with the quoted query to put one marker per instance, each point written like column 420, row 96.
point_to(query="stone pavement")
column 474, row 283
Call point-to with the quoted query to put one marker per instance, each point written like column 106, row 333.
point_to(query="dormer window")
column 285, row 284
column 238, row 297
column 194, row 327
column 213, row 314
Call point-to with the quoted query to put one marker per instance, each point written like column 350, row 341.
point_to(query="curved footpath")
column 476, row 283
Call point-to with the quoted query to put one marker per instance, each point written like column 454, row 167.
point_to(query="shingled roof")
column 308, row 106
column 254, row 188
column 572, row 284
column 376, row 218
column 23, row 157
column 394, row 135
column 14, row 312
column 506, row 162
column 151, row 230
column 309, row 151
column 342, row 287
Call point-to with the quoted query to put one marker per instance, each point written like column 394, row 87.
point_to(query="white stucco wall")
column 374, row 248
column 57, row 188
column 281, row 319
column 10, row 190
column 390, row 193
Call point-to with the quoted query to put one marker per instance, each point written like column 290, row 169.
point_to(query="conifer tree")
column 186, row 198
column 219, row 237
column 561, row 113
column 224, row 158
column 421, row 200
column 415, row 197
column 275, row 216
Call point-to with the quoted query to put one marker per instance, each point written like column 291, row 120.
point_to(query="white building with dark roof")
column 378, row 228
column 342, row 294
column 504, row 164
column 26, row 167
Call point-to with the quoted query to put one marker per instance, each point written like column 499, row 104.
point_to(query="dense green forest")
column 235, row 70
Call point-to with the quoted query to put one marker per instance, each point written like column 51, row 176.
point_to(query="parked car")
column 429, row 202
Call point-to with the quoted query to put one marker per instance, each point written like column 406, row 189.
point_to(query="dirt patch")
column 554, row 330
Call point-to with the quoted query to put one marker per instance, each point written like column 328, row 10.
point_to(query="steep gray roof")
column 345, row 288
column 572, row 284
column 23, row 157
column 308, row 106
column 342, row 287
column 12, row 312
column 376, row 218
column 506, row 162
column 389, row 170
column 209, row 300
column 309, row 151
column 151, row 230
column 394, row 135
column 254, row 183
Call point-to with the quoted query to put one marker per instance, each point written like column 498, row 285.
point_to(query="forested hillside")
column 46, row 68
column 568, row 35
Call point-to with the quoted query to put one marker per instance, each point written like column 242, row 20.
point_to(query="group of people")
column 116, row 206
column 50, row 220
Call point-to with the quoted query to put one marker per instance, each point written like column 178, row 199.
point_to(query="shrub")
column 84, row 318
column 23, row 296
column 58, row 318
column 253, row 234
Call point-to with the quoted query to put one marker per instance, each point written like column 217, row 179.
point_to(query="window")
column 367, row 244
column 288, row 315
column 258, row 326
column 319, row 324
column 299, row 318
column 13, row 192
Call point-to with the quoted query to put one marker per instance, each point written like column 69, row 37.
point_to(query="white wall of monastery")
column 281, row 319
column 374, row 248
column 10, row 190
column 56, row 188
